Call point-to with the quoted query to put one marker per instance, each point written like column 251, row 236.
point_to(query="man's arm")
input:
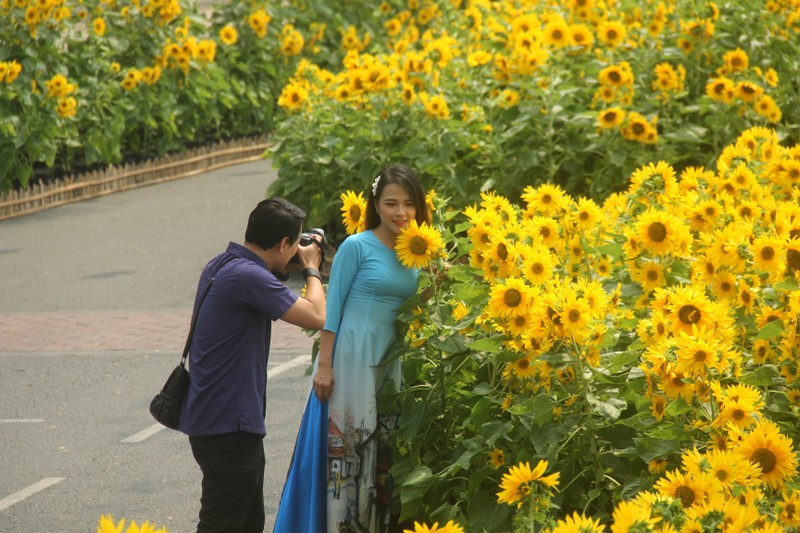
column 308, row 311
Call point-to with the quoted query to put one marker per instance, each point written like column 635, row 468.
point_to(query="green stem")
column 590, row 427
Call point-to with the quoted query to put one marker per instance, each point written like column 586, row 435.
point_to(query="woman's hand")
column 323, row 383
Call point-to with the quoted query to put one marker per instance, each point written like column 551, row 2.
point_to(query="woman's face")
column 396, row 208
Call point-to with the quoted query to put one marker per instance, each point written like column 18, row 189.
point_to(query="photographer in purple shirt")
column 225, row 408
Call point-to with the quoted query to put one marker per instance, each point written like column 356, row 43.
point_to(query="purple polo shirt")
column 230, row 346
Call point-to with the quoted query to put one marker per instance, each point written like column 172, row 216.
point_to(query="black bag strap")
column 200, row 304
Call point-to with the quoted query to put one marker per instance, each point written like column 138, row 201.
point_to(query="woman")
column 331, row 485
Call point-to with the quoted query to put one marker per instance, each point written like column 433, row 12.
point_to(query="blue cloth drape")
column 303, row 503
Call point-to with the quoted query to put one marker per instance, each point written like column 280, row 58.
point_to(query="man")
column 225, row 408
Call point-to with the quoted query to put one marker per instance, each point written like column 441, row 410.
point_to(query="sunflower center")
column 766, row 459
column 685, row 495
column 418, row 245
column 523, row 364
column 738, row 414
column 512, row 297
column 726, row 286
column 652, row 275
column 519, row 321
column 537, row 268
column 657, row 232
column 700, row 356
column 689, row 314
column 547, row 199
column 638, row 128
column 722, row 475
column 661, row 329
column 768, row 253
column 502, row 251
column 793, row 259
column 574, row 315
column 355, row 212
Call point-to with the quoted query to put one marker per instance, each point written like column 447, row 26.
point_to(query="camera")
column 307, row 238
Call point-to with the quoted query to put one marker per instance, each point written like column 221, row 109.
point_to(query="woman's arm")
column 324, row 379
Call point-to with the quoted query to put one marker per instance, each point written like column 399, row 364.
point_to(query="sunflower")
column 520, row 482
column 657, row 231
column 649, row 275
column 537, row 265
column 696, row 353
column 522, row 368
column 730, row 469
column 293, row 96
column 654, row 177
column 544, row 230
column 631, row 516
column 582, row 36
column 792, row 257
column 747, row 91
column 449, row 527
column 353, row 211
column 67, row 107
column 615, row 76
column 418, row 244
column 789, row 508
column 547, row 199
column 724, row 285
column 511, row 297
column 575, row 314
column 497, row 458
column 557, row 33
column 229, row 35
column 688, row 307
column 735, row 60
column 658, row 406
column 99, row 26
column 578, row 523
column 768, row 448
column 610, row 118
column 721, row 89
column 612, row 33
column 690, row 489
column 435, row 106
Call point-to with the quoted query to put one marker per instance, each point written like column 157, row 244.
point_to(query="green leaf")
column 773, row 329
column 763, row 376
column 486, row 345
column 413, row 490
column 788, row 284
column 609, row 409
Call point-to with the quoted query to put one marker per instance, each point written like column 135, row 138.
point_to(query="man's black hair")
column 272, row 220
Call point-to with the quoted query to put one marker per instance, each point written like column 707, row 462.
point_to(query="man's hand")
column 309, row 256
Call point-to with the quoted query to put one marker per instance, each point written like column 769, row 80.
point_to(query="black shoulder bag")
column 166, row 405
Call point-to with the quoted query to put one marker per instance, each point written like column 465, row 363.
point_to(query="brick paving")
column 88, row 331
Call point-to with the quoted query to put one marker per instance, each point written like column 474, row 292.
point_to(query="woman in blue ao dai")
column 335, row 482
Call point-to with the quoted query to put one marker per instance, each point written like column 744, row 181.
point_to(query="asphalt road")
column 76, row 439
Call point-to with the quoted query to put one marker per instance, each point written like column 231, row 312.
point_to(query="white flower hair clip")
column 375, row 185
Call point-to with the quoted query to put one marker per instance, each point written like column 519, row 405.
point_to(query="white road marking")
column 20, row 420
column 286, row 366
column 155, row 428
column 143, row 434
column 27, row 492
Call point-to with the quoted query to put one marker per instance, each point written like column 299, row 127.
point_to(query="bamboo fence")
column 41, row 196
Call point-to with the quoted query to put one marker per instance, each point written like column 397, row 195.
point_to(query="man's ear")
column 285, row 244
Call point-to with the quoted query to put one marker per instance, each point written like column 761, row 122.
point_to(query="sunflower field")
column 480, row 95
column 85, row 83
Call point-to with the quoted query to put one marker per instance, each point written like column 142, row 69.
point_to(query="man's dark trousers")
column 233, row 482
